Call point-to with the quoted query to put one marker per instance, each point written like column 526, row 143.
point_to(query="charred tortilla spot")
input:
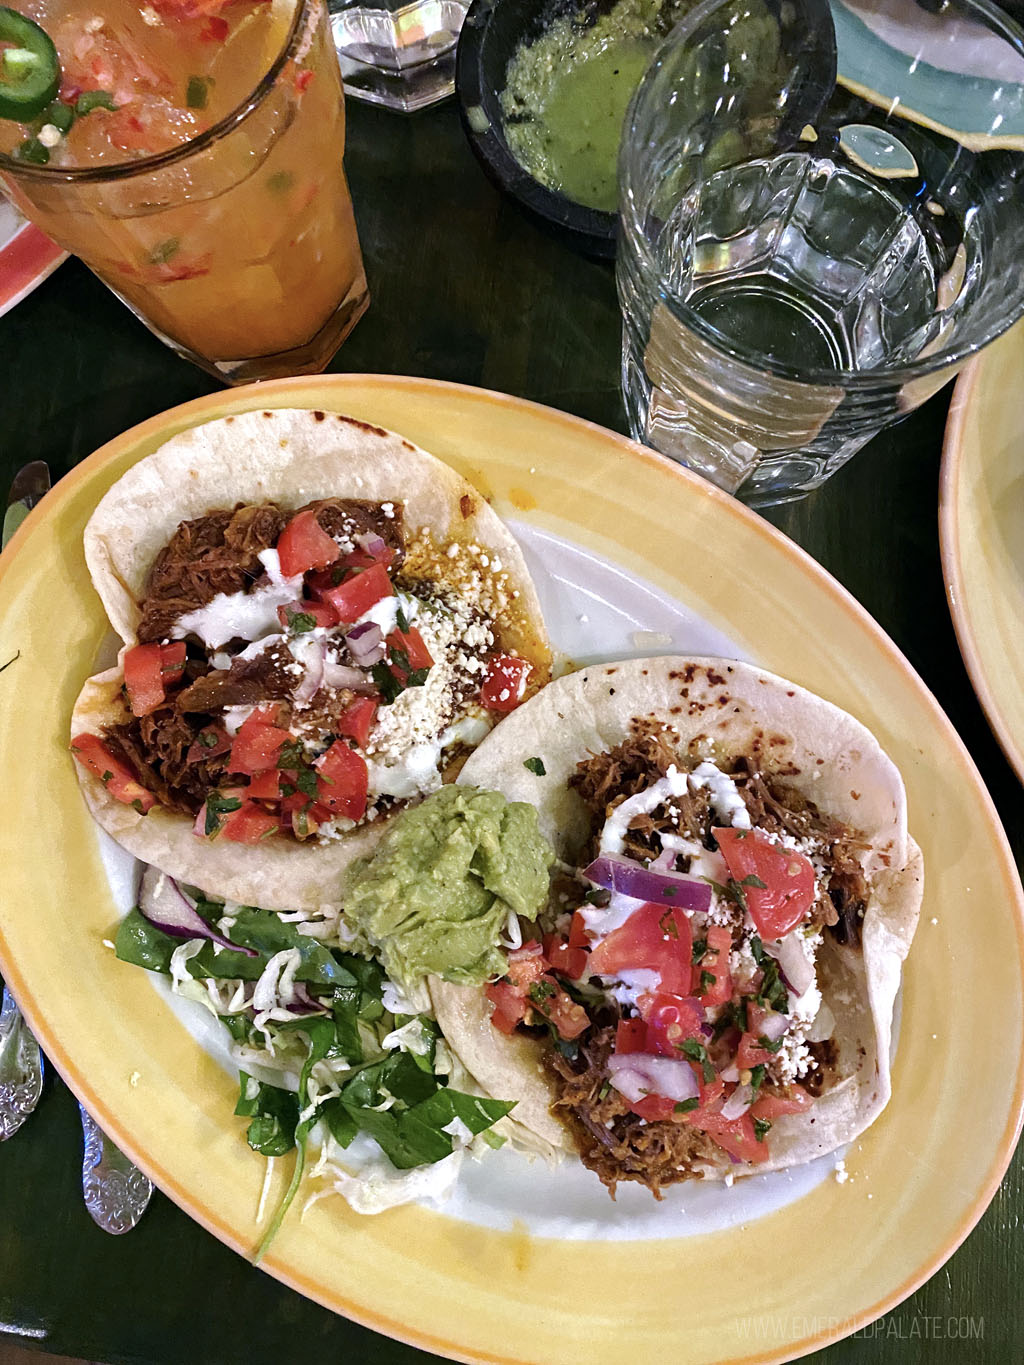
column 714, row 679
column 466, row 506
column 363, row 426
column 318, row 416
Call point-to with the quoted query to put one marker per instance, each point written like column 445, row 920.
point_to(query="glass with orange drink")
column 190, row 152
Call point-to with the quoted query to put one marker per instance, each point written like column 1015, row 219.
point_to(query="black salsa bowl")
column 492, row 32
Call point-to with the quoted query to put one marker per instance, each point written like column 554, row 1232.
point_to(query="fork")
column 21, row 1069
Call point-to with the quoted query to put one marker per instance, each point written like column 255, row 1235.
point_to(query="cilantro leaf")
column 535, row 766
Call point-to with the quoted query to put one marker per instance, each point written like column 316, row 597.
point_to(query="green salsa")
column 566, row 94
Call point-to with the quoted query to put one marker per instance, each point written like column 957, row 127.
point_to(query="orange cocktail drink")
column 191, row 155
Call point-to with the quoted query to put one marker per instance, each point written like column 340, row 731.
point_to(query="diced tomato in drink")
column 343, row 781
column 322, row 614
column 257, row 746
column 670, row 1020
column 115, row 775
column 410, row 642
column 654, row 938
column 778, row 883
column 630, row 1036
column 770, row 1107
column 715, row 963
column 569, row 955
column 736, row 1136
column 505, row 683
column 265, row 786
column 305, row 545
column 357, row 720
column 249, row 824
column 358, row 593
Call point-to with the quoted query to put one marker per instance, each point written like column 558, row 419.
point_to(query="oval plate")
column 914, row 1194
column 27, row 257
column 981, row 530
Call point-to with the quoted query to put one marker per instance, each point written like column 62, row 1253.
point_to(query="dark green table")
column 464, row 288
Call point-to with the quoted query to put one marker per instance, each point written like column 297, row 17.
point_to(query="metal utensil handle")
column 21, row 1068
column 116, row 1192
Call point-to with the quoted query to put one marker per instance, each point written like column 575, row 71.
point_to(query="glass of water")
column 822, row 218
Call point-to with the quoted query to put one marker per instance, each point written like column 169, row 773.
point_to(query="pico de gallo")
column 294, row 677
column 675, row 973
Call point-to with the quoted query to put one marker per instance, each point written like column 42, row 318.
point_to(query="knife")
column 21, row 1062
column 116, row 1192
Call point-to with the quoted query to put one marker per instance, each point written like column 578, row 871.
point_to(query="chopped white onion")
column 738, row 1102
column 340, row 675
column 637, row 1074
column 312, row 672
column 793, row 962
column 773, row 1027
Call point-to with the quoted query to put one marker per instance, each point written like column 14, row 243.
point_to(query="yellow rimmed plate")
column 981, row 530
column 765, row 1291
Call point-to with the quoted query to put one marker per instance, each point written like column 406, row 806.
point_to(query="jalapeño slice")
column 29, row 67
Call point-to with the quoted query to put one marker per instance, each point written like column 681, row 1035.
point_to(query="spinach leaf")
column 274, row 1113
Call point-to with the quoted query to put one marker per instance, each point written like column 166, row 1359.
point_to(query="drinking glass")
column 238, row 248
column 804, row 258
column 398, row 53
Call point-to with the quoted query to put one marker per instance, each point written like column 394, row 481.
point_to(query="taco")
column 319, row 620
column 709, row 990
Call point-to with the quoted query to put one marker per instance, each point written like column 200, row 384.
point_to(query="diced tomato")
column 505, row 683
column 357, row 720
column 654, row 1107
column 305, row 545
column 265, row 786
column 172, row 662
column 344, row 781
column 630, row 1036
column 299, row 814
column 548, row 998
column 321, row 612
column 779, row 884
column 215, row 30
column 249, row 824
column 257, row 745
column 711, row 1100
column 654, row 938
column 357, row 593
column 509, row 1005
column 750, row 1052
column 670, row 1019
column 736, row 1136
column 716, row 963
column 795, row 1101
column 525, row 966
column 211, row 742
column 410, row 642
column 143, row 679
column 116, row 776
column 569, row 955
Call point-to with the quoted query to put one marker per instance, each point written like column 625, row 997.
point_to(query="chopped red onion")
column 165, row 905
column 366, row 643
column 731, row 1072
column 628, row 878
column 738, row 1102
column 789, row 953
column 304, row 1003
column 636, row 1074
column 372, row 543
column 312, row 672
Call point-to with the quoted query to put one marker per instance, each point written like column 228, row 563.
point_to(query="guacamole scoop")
column 436, row 893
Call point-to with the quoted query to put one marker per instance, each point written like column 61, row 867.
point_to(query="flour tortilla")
column 720, row 707
column 291, row 457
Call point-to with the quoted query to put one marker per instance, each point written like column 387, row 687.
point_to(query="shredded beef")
column 267, row 677
column 211, row 554
column 353, row 517
column 822, row 1073
column 613, row 1142
column 606, row 780
column 156, row 748
column 219, row 552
